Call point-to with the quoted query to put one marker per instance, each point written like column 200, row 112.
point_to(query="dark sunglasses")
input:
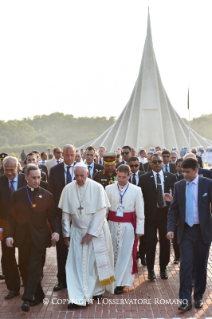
column 58, row 152
column 124, row 153
column 155, row 162
column 166, row 155
column 134, row 165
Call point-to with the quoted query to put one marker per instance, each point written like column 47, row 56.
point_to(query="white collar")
column 160, row 173
column 65, row 165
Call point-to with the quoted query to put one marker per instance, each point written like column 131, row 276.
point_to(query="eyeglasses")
column 58, row 152
column 166, row 155
column 124, row 153
column 155, row 162
column 137, row 165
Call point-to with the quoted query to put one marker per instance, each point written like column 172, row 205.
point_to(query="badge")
column 120, row 211
column 40, row 196
column 33, row 205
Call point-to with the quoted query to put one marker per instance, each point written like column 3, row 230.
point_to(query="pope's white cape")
column 83, row 280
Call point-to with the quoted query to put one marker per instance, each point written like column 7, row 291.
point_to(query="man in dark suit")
column 9, row 183
column 147, row 166
column 199, row 158
column 89, row 157
column 167, row 166
column 60, row 175
column 191, row 207
column 126, row 154
column 31, row 207
column 31, row 158
column 42, row 167
column 154, row 185
column 134, row 179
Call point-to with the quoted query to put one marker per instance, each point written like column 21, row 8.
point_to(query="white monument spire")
column 148, row 119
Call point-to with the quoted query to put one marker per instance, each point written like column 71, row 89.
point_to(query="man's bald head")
column 69, row 146
column 10, row 164
column 189, row 155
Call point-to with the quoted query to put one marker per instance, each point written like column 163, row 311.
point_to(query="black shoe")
column 25, row 306
column 185, row 307
column 2, row 277
column 11, row 294
column 163, row 274
column 151, row 275
column 198, row 303
column 98, row 297
column 143, row 261
column 193, row 282
column 72, row 306
column 35, row 302
column 118, row 290
column 59, row 286
column 176, row 261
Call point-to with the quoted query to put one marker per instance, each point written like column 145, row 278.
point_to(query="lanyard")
column 33, row 205
column 121, row 196
column 69, row 176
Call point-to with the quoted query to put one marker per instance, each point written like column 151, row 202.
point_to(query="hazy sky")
column 82, row 57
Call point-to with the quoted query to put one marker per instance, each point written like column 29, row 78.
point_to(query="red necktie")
column 58, row 162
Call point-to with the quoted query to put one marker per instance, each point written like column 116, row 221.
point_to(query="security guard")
column 108, row 175
column 2, row 156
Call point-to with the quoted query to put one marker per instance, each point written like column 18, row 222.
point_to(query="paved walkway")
column 145, row 300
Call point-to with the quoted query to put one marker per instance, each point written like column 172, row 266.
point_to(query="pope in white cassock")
column 126, row 223
column 89, row 265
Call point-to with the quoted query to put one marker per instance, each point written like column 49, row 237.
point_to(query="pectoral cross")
column 80, row 209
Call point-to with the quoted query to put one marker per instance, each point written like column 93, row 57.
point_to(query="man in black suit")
column 147, row 166
column 9, row 183
column 31, row 158
column 154, row 185
column 167, row 166
column 60, row 175
column 42, row 167
column 89, row 157
column 31, row 207
column 199, row 158
column 191, row 208
column 126, row 154
column 134, row 179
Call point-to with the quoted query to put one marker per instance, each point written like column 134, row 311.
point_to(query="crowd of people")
column 105, row 212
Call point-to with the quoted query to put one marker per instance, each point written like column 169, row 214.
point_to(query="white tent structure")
column 148, row 119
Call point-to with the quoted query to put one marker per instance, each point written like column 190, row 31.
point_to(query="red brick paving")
column 145, row 299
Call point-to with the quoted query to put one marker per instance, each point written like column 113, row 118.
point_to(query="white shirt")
column 71, row 171
column 136, row 177
column 161, row 174
column 57, row 160
column 143, row 160
column 91, row 169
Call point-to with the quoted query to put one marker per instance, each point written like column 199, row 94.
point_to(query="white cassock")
column 89, row 268
column 122, row 233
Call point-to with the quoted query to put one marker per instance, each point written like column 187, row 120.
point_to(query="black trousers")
column 62, row 252
column 31, row 268
column 10, row 268
column 151, row 228
column 175, row 244
column 192, row 249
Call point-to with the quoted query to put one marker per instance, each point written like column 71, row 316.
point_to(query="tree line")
column 57, row 129
column 46, row 131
